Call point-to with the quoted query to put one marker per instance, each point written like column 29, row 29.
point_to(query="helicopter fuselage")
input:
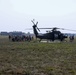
column 54, row 35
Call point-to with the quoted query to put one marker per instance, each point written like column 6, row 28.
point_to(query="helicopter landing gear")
column 40, row 40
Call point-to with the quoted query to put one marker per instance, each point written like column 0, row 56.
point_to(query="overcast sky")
column 16, row 15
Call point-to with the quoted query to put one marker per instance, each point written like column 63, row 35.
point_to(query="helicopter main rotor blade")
column 68, row 29
column 50, row 28
column 45, row 28
column 59, row 28
column 28, row 29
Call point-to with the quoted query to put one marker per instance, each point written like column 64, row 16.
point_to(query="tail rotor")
column 35, row 24
column 37, row 27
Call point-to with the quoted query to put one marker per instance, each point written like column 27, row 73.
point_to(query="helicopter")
column 53, row 35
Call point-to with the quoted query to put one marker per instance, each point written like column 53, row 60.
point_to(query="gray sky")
column 16, row 15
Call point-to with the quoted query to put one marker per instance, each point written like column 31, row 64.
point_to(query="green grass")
column 33, row 58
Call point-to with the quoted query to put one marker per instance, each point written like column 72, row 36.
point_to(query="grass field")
column 33, row 58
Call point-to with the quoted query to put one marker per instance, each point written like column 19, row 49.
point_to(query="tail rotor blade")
column 38, row 29
column 36, row 23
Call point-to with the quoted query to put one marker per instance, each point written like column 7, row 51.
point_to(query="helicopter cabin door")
column 56, row 36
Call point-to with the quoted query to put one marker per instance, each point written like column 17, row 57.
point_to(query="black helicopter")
column 53, row 35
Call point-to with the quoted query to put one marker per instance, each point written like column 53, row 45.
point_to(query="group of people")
column 20, row 38
column 71, row 38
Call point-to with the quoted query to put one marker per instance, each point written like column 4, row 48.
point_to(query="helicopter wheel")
column 52, row 39
column 61, row 39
